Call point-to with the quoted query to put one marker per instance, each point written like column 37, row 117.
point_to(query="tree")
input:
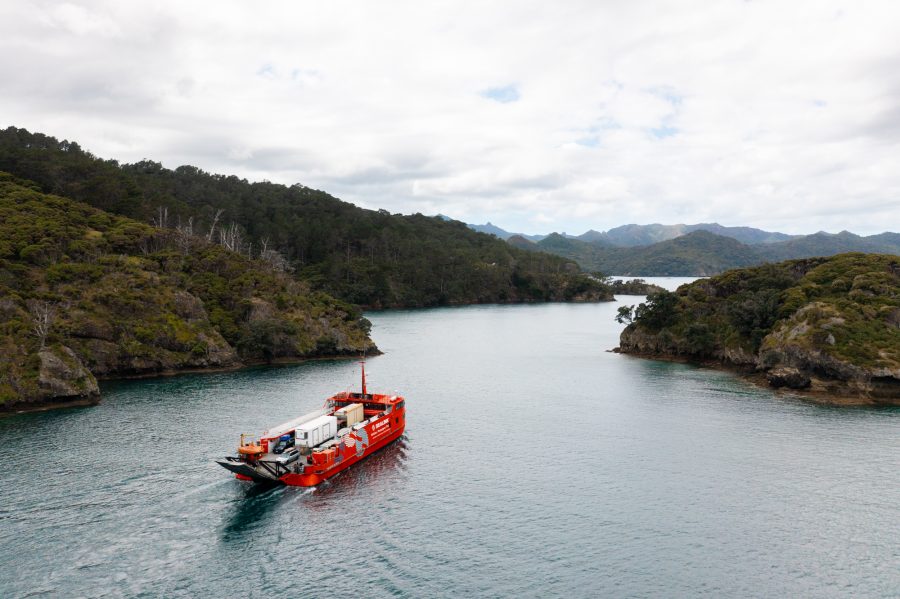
column 212, row 227
column 625, row 315
column 184, row 235
column 43, row 314
column 659, row 311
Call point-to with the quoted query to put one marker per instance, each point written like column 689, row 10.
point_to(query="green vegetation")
column 633, row 287
column 702, row 253
column 366, row 257
column 836, row 317
column 826, row 244
column 110, row 270
column 84, row 289
column 696, row 254
column 637, row 235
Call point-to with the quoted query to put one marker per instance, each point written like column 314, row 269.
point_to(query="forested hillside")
column 366, row 257
column 696, row 254
column 832, row 324
column 85, row 293
column 638, row 235
column 702, row 253
column 827, row 244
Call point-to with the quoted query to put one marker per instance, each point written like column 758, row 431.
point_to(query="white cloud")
column 781, row 116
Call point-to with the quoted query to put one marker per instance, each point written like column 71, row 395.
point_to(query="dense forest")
column 86, row 293
column 830, row 322
column 366, row 257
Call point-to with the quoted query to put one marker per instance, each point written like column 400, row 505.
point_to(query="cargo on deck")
column 311, row 448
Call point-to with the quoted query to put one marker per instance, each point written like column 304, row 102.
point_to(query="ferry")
column 307, row 450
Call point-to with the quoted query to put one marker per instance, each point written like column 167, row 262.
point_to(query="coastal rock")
column 788, row 377
column 217, row 353
column 188, row 307
column 637, row 340
column 812, row 360
column 62, row 375
column 260, row 310
column 737, row 356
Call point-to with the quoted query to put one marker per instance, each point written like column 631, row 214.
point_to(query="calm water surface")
column 535, row 464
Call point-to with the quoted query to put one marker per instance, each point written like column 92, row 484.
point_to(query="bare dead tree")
column 212, row 227
column 226, row 238
column 161, row 221
column 43, row 314
column 184, row 235
column 187, row 228
column 232, row 238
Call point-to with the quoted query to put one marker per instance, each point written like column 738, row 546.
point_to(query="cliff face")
column 84, row 294
column 830, row 325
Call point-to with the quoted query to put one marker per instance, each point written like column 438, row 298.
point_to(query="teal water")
column 535, row 464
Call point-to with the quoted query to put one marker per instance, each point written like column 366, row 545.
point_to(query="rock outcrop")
column 62, row 375
column 791, row 378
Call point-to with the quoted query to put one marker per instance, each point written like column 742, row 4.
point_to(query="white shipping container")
column 353, row 413
column 286, row 427
column 315, row 432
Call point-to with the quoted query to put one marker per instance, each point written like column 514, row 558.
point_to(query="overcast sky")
column 538, row 116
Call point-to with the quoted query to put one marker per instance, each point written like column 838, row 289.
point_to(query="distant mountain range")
column 492, row 229
column 703, row 253
column 638, row 235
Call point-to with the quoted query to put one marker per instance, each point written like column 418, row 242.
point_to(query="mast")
column 363, row 363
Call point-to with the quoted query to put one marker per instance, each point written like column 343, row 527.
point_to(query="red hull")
column 311, row 479
column 385, row 423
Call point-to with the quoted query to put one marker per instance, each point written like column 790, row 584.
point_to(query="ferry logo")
column 363, row 442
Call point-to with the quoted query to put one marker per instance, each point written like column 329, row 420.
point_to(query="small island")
column 825, row 327
column 634, row 287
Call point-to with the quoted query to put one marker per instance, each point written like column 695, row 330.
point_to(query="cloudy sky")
column 535, row 115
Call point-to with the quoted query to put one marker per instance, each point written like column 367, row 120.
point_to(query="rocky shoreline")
column 68, row 377
column 91, row 395
column 810, row 374
column 820, row 391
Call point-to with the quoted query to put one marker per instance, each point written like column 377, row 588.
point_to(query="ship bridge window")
column 399, row 405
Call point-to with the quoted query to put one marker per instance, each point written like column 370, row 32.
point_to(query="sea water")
column 535, row 464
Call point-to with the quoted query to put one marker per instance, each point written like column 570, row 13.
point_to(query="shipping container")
column 353, row 413
column 286, row 427
column 317, row 431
